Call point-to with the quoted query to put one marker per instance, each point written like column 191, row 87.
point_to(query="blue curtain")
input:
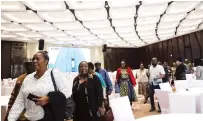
column 68, row 59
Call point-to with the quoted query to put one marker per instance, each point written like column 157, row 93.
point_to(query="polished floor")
column 141, row 110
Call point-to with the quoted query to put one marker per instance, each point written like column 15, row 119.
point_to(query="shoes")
column 152, row 109
column 159, row 110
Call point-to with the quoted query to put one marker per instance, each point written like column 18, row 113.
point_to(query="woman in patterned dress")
column 126, row 81
column 142, row 80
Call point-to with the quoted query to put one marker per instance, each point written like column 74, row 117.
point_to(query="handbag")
column 70, row 105
column 117, row 88
column 108, row 116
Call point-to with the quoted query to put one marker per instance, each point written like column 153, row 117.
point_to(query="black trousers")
column 151, row 94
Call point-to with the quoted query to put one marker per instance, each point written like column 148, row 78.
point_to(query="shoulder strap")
column 53, row 80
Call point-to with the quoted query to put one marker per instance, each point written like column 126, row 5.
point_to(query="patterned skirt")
column 126, row 89
column 143, row 88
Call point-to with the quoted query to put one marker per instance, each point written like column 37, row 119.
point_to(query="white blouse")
column 38, row 87
column 142, row 75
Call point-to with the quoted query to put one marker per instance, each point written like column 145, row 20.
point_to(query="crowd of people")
column 90, row 90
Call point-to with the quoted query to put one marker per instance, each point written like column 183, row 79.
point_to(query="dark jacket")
column 166, row 77
column 180, row 72
column 95, row 99
column 55, row 110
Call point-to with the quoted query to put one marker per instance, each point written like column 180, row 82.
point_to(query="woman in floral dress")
column 126, row 81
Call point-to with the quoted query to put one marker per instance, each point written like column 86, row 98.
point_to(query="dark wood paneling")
column 113, row 58
column 165, row 51
column 188, row 46
column 18, row 56
column 170, row 58
column 181, row 47
column 5, row 59
column 186, row 41
column 199, row 37
column 175, row 49
column 160, row 52
column 13, row 55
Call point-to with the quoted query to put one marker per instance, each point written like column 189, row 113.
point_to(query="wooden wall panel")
column 175, row 49
column 161, row 52
column 13, row 56
column 18, row 56
column 181, row 47
column 186, row 40
column 195, row 47
column 165, row 45
column 188, row 46
column 170, row 52
column 5, row 59
column 199, row 37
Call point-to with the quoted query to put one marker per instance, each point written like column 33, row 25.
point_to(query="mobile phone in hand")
column 32, row 97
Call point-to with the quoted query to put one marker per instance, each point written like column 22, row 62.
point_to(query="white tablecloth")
column 182, row 102
column 5, row 91
column 4, row 103
column 4, row 100
column 173, row 117
column 121, row 109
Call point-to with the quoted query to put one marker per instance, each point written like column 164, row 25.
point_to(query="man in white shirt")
column 156, row 73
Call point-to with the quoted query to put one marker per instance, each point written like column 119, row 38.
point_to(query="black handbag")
column 70, row 105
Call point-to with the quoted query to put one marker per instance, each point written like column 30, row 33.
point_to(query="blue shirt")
column 106, row 78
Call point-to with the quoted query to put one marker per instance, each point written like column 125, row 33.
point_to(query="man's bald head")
column 154, row 61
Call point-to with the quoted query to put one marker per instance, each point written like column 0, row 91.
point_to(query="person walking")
column 142, row 79
column 156, row 74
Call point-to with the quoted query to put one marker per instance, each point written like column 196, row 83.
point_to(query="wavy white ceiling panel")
column 91, row 15
column 23, row 17
column 96, row 24
column 13, row 27
column 93, row 23
column 45, row 5
column 181, row 7
column 122, row 13
column 12, row 6
column 84, row 5
column 57, row 16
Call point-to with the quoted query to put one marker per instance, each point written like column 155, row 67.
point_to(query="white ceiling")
column 115, row 23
